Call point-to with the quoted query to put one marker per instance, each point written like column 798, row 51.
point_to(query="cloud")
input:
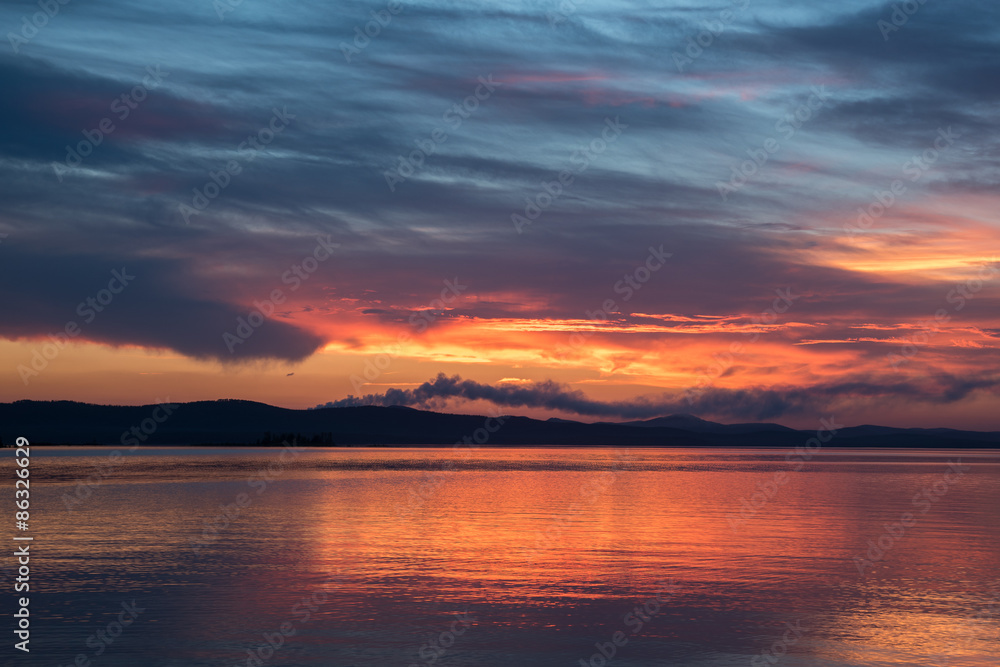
column 161, row 306
column 655, row 185
column 46, row 108
column 753, row 403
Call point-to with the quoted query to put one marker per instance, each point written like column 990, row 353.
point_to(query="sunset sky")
column 541, row 198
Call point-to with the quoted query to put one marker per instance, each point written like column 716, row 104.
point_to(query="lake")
column 521, row 556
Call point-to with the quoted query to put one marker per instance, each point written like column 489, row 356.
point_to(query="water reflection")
column 537, row 555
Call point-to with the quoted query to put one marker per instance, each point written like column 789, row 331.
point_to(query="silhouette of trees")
column 318, row 439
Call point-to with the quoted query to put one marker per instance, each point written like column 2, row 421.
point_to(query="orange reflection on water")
column 550, row 548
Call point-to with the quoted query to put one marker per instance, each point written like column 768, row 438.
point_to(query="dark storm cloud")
column 133, row 300
column 756, row 403
column 325, row 174
column 46, row 108
column 938, row 69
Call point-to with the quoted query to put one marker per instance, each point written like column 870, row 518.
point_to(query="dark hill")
column 249, row 423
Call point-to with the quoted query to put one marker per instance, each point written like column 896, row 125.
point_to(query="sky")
column 747, row 211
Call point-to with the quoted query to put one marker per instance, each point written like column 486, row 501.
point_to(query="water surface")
column 515, row 557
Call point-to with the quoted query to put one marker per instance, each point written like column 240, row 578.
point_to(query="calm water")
column 382, row 557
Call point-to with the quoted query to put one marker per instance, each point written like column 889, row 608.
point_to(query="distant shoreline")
column 236, row 423
column 755, row 447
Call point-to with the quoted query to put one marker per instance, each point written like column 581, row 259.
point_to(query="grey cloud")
column 757, row 403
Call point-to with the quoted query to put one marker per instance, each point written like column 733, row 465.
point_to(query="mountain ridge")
column 242, row 422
